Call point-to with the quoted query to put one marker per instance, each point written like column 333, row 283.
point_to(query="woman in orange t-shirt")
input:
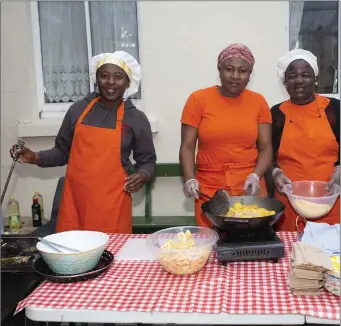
column 232, row 126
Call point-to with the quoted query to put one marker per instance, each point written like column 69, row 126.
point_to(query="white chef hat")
column 289, row 57
column 125, row 61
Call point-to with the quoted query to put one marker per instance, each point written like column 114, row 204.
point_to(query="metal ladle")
column 19, row 145
column 220, row 201
column 248, row 192
column 55, row 246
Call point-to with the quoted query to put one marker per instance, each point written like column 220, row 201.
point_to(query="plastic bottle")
column 13, row 213
column 41, row 203
column 36, row 213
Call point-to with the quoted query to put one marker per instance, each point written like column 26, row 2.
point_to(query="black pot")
column 245, row 225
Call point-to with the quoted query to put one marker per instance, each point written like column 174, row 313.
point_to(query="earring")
column 316, row 83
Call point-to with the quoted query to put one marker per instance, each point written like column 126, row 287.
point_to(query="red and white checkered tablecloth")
column 239, row 288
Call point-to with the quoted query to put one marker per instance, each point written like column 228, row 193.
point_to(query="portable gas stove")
column 263, row 244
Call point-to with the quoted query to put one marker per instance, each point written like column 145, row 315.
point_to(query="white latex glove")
column 280, row 179
column 252, row 182
column 191, row 188
column 335, row 178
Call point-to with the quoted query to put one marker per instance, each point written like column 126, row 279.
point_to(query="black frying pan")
column 245, row 224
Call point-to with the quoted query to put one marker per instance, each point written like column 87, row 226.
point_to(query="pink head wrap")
column 236, row 50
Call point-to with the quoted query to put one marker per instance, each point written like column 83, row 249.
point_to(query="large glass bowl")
column 182, row 261
column 311, row 199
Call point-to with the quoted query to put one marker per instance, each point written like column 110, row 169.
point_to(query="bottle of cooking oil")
column 13, row 213
column 41, row 203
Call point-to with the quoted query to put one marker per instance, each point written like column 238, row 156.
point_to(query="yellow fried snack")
column 180, row 261
column 185, row 241
column 248, row 211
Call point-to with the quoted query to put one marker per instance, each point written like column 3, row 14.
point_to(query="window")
column 314, row 26
column 70, row 33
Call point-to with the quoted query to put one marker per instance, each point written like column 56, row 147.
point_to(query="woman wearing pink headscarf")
column 232, row 126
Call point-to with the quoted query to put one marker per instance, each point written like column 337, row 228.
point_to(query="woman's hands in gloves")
column 135, row 182
column 335, row 178
column 251, row 186
column 191, row 188
column 280, row 179
column 23, row 155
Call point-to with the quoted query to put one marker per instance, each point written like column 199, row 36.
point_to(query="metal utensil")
column 51, row 246
column 204, row 195
column 20, row 144
column 248, row 192
column 55, row 245
column 220, row 201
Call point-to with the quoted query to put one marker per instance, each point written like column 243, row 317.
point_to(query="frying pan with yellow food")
column 242, row 217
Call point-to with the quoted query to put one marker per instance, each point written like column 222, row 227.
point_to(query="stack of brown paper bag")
column 308, row 265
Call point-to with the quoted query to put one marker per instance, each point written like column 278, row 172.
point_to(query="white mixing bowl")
column 91, row 245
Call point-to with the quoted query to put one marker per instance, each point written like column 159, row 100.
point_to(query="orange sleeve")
column 264, row 115
column 192, row 112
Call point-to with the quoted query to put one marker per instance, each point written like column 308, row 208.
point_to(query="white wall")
column 179, row 44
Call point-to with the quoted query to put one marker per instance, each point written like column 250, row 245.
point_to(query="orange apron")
column 230, row 176
column 93, row 195
column 307, row 151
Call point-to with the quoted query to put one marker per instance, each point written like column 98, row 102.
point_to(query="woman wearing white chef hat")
column 305, row 133
column 95, row 140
